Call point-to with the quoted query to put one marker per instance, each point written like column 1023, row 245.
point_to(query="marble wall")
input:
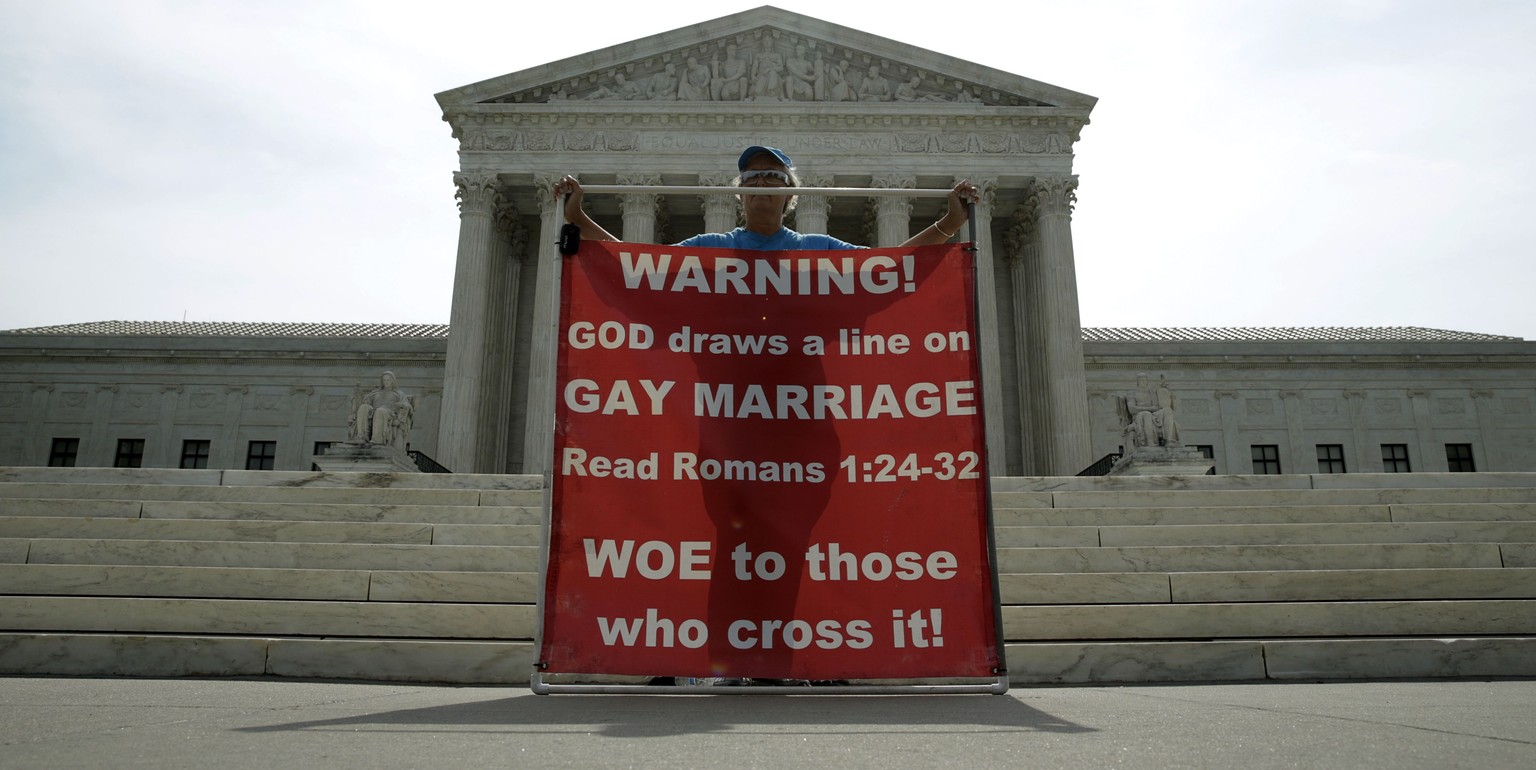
column 1230, row 396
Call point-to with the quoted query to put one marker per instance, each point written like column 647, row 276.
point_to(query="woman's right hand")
column 570, row 189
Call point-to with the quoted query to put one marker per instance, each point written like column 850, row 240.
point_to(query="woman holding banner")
column 761, row 166
column 757, row 517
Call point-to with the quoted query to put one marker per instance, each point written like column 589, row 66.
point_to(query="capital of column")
column 544, row 189
column 986, row 190
column 509, row 222
column 478, row 192
column 893, row 206
column 1054, row 195
column 1020, row 233
column 639, row 203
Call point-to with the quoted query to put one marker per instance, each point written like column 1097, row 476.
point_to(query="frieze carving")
column 1260, row 406
column 921, row 142
column 766, row 66
column 1450, row 405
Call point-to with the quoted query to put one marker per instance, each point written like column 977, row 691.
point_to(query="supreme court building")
column 853, row 110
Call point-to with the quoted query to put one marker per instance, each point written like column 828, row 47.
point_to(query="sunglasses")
column 766, row 177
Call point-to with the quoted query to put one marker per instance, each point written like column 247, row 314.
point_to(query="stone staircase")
column 417, row 577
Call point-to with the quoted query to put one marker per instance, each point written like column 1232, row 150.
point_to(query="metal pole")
column 842, row 192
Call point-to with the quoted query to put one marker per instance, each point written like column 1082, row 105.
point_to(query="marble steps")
column 520, row 587
column 378, row 619
column 375, row 495
column 1267, row 534
column 1191, row 579
column 1244, row 558
column 191, row 526
column 1342, row 585
column 385, row 585
column 508, row 663
column 271, row 555
column 267, row 617
column 1205, row 498
column 281, row 531
column 1263, row 514
column 308, row 512
column 513, row 558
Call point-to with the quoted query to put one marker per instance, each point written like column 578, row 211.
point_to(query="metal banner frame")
column 996, row 686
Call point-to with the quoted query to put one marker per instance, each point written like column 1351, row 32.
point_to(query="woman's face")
column 764, row 204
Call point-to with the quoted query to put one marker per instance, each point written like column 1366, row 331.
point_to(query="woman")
column 764, row 214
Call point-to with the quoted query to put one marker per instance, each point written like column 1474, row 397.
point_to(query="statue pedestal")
column 365, row 458
column 1163, row 461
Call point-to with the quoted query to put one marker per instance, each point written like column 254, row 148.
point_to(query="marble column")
column 1431, row 455
column 39, row 445
column 639, row 210
column 893, row 216
column 1060, row 333
column 98, row 448
column 1019, row 253
column 1298, row 458
column 1487, row 424
column 1354, row 460
column 293, row 451
column 162, row 453
column 227, row 452
column 719, row 210
column 1239, row 459
column 812, row 212
column 458, row 437
column 508, row 250
column 539, row 430
column 989, row 346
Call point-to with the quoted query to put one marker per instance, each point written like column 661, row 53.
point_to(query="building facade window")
column 1266, row 459
column 64, row 453
column 1394, row 458
column 1458, row 458
column 261, row 456
column 130, row 453
column 321, row 447
column 194, row 453
column 1330, row 458
column 1208, row 451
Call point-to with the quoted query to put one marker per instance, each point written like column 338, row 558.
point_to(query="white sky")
column 1250, row 163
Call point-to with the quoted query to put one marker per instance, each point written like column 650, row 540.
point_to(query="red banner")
column 768, row 464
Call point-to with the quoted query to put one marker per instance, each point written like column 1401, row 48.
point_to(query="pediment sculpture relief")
column 768, row 66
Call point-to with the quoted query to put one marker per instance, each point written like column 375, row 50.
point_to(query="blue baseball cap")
column 757, row 149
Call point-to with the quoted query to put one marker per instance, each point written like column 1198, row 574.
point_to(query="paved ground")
column 75, row 723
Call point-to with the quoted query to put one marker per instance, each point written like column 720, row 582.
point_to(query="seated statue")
column 1147, row 415
column 382, row 416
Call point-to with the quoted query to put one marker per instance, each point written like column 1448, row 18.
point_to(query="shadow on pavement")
column 642, row 717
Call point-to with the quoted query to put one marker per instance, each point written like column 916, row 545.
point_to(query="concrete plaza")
column 236, row 723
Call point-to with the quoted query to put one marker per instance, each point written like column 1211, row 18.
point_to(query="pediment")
column 764, row 55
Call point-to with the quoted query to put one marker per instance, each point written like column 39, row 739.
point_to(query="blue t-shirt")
column 783, row 240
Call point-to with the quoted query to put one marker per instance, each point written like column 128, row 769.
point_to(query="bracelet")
column 941, row 230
